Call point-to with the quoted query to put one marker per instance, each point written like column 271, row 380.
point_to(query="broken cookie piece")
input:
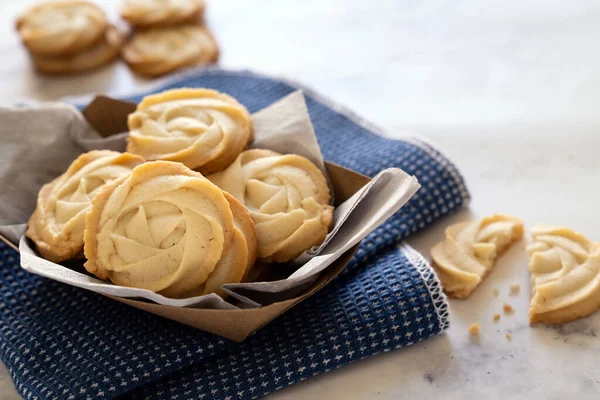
column 470, row 249
column 565, row 275
column 474, row 329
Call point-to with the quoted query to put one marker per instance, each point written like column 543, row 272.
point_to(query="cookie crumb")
column 508, row 336
column 496, row 317
column 496, row 292
column 507, row 308
column 474, row 329
column 515, row 288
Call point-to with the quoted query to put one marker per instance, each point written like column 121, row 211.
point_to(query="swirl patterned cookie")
column 62, row 27
column 58, row 222
column 147, row 13
column 158, row 51
column 201, row 128
column 470, row 249
column 96, row 56
column 287, row 197
column 565, row 275
column 168, row 229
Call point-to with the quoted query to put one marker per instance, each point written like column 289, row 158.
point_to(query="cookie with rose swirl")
column 287, row 197
column 58, row 222
column 145, row 13
column 167, row 229
column 201, row 128
column 59, row 28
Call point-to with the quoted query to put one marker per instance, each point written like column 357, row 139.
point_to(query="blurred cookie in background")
column 74, row 36
column 69, row 37
column 158, row 51
column 102, row 53
column 152, row 13
column 61, row 27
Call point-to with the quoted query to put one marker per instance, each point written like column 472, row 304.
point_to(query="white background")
column 509, row 89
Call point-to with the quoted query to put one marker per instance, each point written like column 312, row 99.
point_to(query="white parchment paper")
column 39, row 143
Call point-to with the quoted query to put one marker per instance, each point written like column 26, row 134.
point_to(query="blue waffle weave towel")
column 60, row 342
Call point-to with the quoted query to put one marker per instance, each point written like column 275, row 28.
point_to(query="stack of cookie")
column 66, row 37
column 168, row 35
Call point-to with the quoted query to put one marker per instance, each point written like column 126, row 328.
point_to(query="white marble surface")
column 508, row 89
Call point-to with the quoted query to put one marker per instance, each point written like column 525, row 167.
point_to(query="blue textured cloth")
column 60, row 342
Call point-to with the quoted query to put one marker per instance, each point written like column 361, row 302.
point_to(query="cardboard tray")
column 108, row 117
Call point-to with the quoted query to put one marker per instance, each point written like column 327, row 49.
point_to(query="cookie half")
column 470, row 250
column 565, row 275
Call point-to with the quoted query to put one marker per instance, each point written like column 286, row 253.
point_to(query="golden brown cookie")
column 238, row 261
column 57, row 225
column 201, row 128
column 470, row 249
column 157, row 51
column 96, row 56
column 152, row 13
column 167, row 229
column 61, row 27
column 565, row 275
column 287, row 197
